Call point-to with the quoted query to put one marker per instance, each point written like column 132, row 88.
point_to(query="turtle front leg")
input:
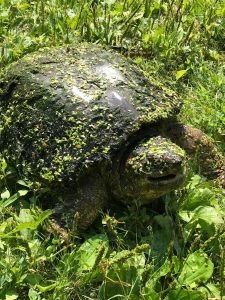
column 82, row 204
column 203, row 153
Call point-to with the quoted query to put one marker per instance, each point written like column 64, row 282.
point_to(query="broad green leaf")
column 197, row 269
column 180, row 74
column 11, row 297
column 25, row 216
column 124, row 278
column 136, row 260
column 185, row 295
column 163, row 234
column 33, row 295
column 34, row 224
column 23, row 192
column 5, row 195
column 209, row 214
column 88, row 252
column 153, row 284
column 198, row 197
column 148, row 293
column 212, row 290
column 162, row 271
column 29, row 225
column 9, row 201
column 23, row 183
column 13, row 198
column 35, row 246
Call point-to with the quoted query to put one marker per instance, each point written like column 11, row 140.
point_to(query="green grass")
column 132, row 253
column 135, row 254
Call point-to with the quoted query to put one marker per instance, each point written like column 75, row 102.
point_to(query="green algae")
column 155, row 156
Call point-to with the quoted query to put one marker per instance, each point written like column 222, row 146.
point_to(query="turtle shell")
column 66, row 109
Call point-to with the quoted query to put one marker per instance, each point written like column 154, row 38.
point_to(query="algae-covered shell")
column 66, row 109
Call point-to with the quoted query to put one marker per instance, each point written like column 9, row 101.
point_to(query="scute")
column 65, row 109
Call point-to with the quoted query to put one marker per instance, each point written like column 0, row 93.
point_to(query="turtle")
column 89, row 125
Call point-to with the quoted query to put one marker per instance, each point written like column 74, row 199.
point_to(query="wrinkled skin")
column 89, row 125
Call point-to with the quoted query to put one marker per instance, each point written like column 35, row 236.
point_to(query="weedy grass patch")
column 136, row 252
column 178, row 32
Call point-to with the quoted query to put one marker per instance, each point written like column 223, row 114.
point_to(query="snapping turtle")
column 87, row 123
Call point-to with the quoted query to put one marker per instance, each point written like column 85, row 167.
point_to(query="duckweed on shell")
column 64, row 110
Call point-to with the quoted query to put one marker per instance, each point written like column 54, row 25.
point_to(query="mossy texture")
column 156, row 157
column 65, row 110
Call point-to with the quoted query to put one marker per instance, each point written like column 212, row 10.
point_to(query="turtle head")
column 151, row 169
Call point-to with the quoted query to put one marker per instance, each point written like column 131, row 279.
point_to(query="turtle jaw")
column 169, row 181
column 146, row 189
